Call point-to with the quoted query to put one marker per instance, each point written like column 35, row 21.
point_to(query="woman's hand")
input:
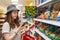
column 19, row 28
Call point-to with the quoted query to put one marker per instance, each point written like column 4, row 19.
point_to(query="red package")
column 27, row 37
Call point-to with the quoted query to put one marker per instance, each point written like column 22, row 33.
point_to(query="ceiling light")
column 15, row 3
column 14, row 0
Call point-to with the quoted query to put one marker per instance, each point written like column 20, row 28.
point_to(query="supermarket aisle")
column 40, row 19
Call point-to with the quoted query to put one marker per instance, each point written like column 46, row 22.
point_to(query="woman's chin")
column 14, row 18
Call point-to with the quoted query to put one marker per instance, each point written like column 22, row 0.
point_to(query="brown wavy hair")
column 12, row 22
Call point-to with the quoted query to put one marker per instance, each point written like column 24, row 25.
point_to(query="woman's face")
column 14, row 14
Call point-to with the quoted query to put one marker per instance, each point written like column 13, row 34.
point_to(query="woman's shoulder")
column 6, row 23
column 5, row 27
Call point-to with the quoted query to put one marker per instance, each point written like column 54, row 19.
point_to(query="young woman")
column 11, row 28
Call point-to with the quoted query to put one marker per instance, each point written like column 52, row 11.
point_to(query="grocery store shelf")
column 2, row 20
column 1, row 23
column 52, row 22
column 44, row 3
column 47, row 3
column 2, row 16
column 42, row 35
